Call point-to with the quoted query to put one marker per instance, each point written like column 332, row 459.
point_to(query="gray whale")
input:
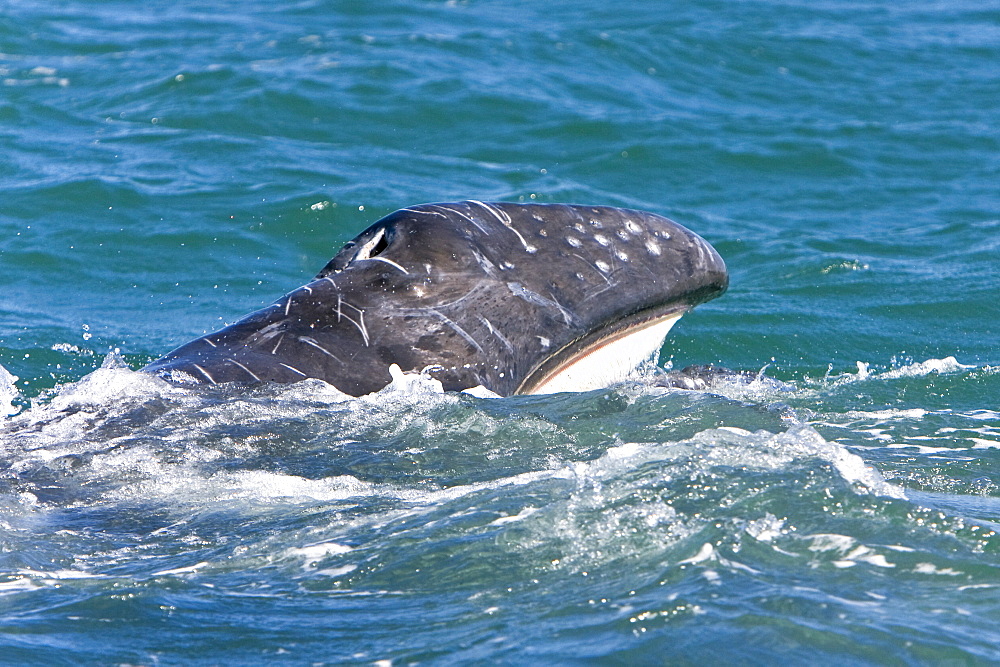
column 515, row 298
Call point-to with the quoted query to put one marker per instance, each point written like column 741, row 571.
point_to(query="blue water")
column 168, row 167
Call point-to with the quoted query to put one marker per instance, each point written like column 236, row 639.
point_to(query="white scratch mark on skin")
column 505, row 219
column 312, row 342
column 423, row 211
column 247, row 370
column 519, row 290
column 456, row 328
column 267, row 333
column 590, row 265
column 205, row 373
column 486, row 265
column 307, row 288
column 278, row 344
column 207, row 340
column 387, row 261
column 364, row 329
column 359, row 323
column 499, row 214
column 330, row 280
column 467, row 217
column 493, row 330
column 528, row 248
column 288, row 305
column 568, row 317
column 293, row 368
column 474, row 291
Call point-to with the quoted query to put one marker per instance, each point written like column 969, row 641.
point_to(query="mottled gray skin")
column 490, row 294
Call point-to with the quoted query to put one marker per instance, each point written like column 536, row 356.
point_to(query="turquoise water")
column 169, row 167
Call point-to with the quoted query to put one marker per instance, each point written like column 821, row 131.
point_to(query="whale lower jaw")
column 602, row 361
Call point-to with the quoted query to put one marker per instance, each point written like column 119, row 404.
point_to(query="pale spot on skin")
column 653, row 248
column 632, row 227
column 573, row 242
column 602, row 239
column 603, row 266
column 623, row 235
column 622, row 256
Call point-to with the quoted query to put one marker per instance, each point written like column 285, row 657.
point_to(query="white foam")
column 931, row 366
column 919, row 369
column 411, row 383
column 480, row 391
column 313, row 554
column 18, row 585
column 931, row 568
column 766, row 529
column 260, row 485
column 190, row 569
column 523, row 514
column 8, row 392
column 983, row 443
column 705, row 553
column 110, row 384
column 851, row 553
column 887, row 415
column 60, row 574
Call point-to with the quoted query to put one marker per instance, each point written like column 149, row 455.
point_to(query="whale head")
column 516, row 298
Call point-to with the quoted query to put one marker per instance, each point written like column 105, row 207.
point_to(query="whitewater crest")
column 8, row 392
column 947, row 365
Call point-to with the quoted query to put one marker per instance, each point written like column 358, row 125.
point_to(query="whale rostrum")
column 515, row 298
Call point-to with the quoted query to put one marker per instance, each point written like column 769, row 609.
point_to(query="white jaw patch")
column 610, row 361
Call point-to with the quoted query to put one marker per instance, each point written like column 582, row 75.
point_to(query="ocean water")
column 168, row 167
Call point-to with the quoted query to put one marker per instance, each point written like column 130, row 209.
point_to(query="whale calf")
column 514, row 298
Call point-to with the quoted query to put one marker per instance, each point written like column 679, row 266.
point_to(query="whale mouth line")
column 605, row 356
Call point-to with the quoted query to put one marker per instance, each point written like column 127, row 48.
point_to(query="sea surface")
column 166, row 167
